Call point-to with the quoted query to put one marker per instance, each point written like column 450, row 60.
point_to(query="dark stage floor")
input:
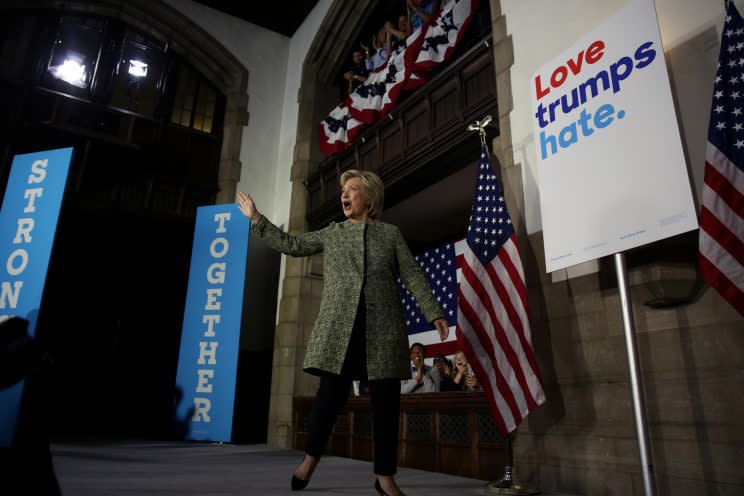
column 136, row 468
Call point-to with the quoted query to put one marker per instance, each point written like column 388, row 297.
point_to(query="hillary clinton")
column 360, row 332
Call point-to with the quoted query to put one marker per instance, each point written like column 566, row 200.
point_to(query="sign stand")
column 636, row 380
column 594, row 159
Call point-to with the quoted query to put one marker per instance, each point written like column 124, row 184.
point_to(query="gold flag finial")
column 480, row 126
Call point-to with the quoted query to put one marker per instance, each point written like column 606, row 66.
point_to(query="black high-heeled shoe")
column 299, row 484
column 380, row 490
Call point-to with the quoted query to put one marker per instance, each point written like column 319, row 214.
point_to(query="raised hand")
column 248, row 207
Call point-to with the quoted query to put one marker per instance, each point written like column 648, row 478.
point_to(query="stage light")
column 71, row 71
column 137, row 68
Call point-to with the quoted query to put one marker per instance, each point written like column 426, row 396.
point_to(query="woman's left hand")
column 443, row 327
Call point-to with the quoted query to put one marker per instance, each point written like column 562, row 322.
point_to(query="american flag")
column 721, row 257
column 439, row 264
column 492, row 324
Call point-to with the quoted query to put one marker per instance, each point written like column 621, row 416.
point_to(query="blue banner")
column 28, row 222
column 208, row 361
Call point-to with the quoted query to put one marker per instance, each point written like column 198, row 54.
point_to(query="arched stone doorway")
column 302, row 284
column 117, row 279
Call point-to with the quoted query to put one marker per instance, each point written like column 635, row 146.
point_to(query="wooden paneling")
column 362, row 449
column 445, row 432
column 444, row 101
column 420, row 456
column 458, row 460
column 479, row 80
column 415, row 118
column 339, row 445
column 392, row 140
column 369, row 156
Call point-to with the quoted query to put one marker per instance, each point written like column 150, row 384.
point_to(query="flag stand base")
column 509, row 483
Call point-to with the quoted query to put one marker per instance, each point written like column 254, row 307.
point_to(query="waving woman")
column 360, row 332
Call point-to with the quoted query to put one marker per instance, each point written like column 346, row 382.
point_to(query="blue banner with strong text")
column 28, row 222
column 208, row 361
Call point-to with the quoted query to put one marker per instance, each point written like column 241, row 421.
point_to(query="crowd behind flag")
column 479, row 283
column 721, row 257
column 405, row 69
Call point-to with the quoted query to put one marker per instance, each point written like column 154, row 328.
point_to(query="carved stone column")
column 303, row 283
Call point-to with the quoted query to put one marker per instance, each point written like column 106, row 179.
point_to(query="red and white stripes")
column 721, row 257
column 493, row 326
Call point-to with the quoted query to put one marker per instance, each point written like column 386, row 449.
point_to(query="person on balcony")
column 424, row 379
column 464, row 377
column 397, row 35
column 447, row 372
column 422, row 11
column 358, row 72
column 379, row 43
column 360, row 332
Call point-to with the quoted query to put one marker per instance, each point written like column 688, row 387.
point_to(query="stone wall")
column 583, row 440
column 692, row 358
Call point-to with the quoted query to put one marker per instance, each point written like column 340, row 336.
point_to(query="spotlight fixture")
column 137, row 68
column 71, row 71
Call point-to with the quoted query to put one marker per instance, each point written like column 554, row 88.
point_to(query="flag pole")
column 508, row 483
column 636, row 380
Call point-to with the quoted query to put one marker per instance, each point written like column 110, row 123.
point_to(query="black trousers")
column 334, row 390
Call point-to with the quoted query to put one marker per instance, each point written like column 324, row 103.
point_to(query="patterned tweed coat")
column 386, row 255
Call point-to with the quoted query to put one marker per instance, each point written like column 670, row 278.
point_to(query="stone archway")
column 302, row 284
column 194, row 44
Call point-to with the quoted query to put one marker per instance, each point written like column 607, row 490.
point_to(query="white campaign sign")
column 612, row 173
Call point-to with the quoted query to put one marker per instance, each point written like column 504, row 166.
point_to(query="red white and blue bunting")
column 445, row 33
column 338, row 129
column 378, row 95
column 406, row 69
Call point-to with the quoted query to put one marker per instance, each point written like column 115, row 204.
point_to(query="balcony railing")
column 420, row 141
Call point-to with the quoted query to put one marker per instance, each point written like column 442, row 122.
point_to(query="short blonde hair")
column 374, row 187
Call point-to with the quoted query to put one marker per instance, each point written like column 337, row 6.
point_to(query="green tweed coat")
column 387, row 255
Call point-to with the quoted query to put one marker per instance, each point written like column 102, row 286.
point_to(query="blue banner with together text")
column 208, row 361
column 28, row 223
